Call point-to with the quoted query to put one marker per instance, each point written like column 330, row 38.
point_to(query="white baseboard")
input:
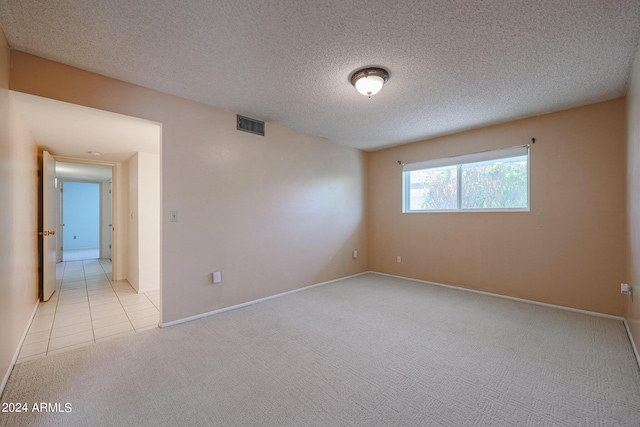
column 17, row 352
column 233, row 307
column 633, row 344
column 561, row 307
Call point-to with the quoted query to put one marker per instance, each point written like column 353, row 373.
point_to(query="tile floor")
column 80, row 254
column 88, row 307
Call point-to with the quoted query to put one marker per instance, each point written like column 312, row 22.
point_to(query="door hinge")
column 60, row 247
column 109, row 246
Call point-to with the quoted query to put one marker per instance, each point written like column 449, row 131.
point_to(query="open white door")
column 49, row 219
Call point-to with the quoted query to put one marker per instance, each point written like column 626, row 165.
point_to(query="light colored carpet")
column 367, row 351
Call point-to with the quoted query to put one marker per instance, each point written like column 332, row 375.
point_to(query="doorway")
column 96, row 295
column 80, row 206
column 85, row 214
column 89, row 304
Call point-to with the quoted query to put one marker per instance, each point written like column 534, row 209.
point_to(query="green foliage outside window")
column 495, row 184
column 436, row 189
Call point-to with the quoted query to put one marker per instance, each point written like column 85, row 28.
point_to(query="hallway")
column 88, row 307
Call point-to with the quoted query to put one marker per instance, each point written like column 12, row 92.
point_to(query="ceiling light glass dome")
column 369, row 81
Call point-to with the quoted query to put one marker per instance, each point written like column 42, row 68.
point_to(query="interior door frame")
column 103, row 237
column 114, row 224
column 61, row 224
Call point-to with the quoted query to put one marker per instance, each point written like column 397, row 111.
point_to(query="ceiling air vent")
column 250, row 125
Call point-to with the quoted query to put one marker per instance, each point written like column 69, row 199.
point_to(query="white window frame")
column 459, row 161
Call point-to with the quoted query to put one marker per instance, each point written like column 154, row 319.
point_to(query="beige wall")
column 133, row 273
column 633, row 199
column 18, row 228
column 149, row 224
column 272, row 213
column 120, row 210
column 144, row 222
column 568, row 250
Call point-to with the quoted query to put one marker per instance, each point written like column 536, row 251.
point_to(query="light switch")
column 217, row 276
column 173, row 217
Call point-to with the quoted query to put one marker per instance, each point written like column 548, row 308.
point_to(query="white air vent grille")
column 250, row 125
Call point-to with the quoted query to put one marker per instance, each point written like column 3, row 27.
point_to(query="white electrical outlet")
column 355, row 254
column 627, row 290
column 398, row 259
column 217, row 276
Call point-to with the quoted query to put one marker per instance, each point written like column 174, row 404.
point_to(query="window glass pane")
column 433, row 189
column 495, row 184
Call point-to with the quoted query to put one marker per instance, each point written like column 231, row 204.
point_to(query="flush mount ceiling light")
column 94, row 153
column 369, row 81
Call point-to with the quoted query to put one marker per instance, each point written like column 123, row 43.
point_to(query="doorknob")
column 51, row 233
column 46, row 233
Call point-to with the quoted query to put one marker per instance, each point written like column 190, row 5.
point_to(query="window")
column 492, row 180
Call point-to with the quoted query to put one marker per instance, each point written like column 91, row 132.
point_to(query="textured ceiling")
column 454, row 65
